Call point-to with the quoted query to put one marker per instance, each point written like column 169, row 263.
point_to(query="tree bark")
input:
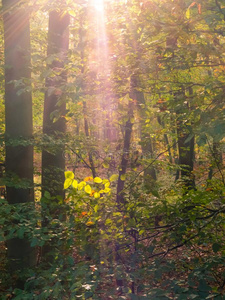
column 53, row 158
column 18, row 121
column 146, row 141
column 186, row 153
column 126, row 149
column 53, row 161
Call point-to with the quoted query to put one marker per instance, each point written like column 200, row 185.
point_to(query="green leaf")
column 97, row 180
column 114, row 177
column 203, row 286
column 20, row 233
column 47, row 195
column 216, row 247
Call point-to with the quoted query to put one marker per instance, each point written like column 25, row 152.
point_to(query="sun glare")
column 99, row 5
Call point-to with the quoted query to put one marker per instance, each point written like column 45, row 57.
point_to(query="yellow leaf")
column 188, row 13
column 107, row 184
column 105, row 191
column 114, row 177
column 87, row 189
column 105, row 165
column 72, row 13
column 104, row 181
column 69, row 174
column 67, row 183
column 97, row 195
column 97, row 180
column 81, row 185
column 75, row 184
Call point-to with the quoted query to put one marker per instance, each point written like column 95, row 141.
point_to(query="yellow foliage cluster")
column 95, row 187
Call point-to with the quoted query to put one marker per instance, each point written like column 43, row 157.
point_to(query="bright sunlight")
column 99, row 5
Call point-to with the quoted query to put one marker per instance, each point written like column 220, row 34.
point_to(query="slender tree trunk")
column 86, row 129
column 126, row 149
column 146, row 141
column 186, row 153
column 18, row 119
column 166, row 139
column 53, row 159
column 217, row 159
column 124, row 160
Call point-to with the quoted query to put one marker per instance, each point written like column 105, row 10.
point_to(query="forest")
column 112, row 149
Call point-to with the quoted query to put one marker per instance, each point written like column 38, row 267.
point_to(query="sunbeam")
column 99, row 5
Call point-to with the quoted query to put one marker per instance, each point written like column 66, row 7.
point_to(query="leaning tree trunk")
column 18, row 119
column 54, row 126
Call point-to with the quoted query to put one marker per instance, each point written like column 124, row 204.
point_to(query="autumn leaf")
column 87, row 189
column 97, row 180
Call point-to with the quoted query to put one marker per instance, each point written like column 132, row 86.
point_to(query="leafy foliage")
column 164, row 61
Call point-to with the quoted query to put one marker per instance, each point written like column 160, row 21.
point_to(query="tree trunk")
column 186, row 153
column 18, row 119
column 160, row 121
column 146, row 141
column 216, row 160
column 126, row 149
column 86, row 129
column 53, row 159
column 124, row 160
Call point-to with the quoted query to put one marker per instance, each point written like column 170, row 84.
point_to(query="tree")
column 53, row 161
column 54, row 126
column 18, row 121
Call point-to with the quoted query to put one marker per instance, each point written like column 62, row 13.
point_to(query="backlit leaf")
column 69, row 174
column 67, row 183
column 114, row 177
column 97, row 195
column 81, row 185
column 87, row 189
column 97, row 180
column 75, row 184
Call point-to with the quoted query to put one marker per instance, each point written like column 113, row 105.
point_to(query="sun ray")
column 99, row 5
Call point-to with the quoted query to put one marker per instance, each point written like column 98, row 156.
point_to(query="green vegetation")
column 112, row 131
